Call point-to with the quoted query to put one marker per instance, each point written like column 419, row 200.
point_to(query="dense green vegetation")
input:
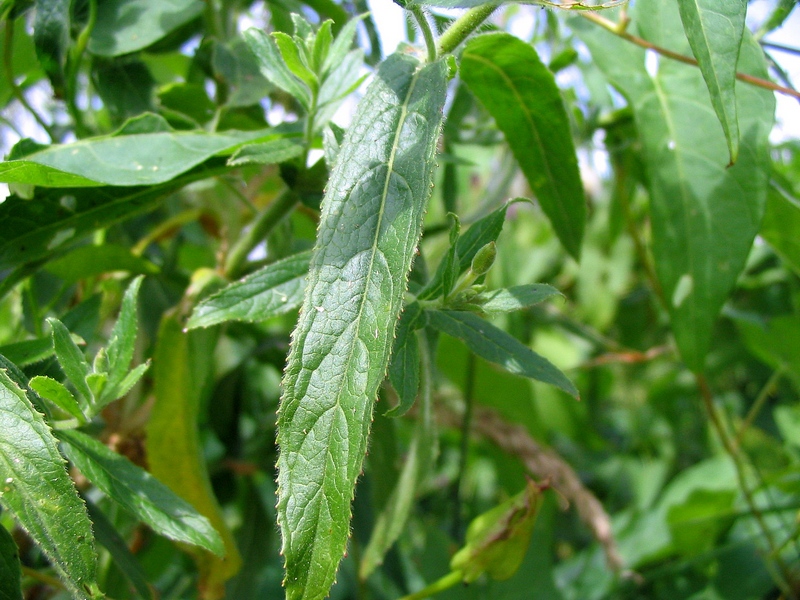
column 499, row 315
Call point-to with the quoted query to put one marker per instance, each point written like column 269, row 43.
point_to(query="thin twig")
column 735, row 456
column 614, row 28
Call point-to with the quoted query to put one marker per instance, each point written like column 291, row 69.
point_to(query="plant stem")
column 425, row 28
column 614, row 28
column 265, row 222
column 463, row 27
column 763, row 395
column 437, row 586
column 8, row 49
column 466, row 428
column 755, row 511
column 74, row 68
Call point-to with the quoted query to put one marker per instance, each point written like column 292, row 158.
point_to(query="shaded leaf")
column 518, row 90
column 370, row 224
column 182, row 364
column 404, row 365
column 495, row 345
column 51, row 36
column 10, row 577
column 715, row 29
column 88, row 261
column 781, row 224
column 704, row 215
column 273, row 290
column 125, row 26
column 35, row 488
column 140, row 493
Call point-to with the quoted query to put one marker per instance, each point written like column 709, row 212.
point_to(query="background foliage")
column 610, row 221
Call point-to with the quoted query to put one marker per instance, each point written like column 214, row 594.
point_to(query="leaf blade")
column 495, row 345
column 715, row 29
column 371, row 221
column 38, row 492
column 139, row 492
column 519, row 91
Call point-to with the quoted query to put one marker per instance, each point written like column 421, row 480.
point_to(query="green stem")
column 425, row 28
column 440, row 585
column 463, row 27
column 784, row 574
column 265, row 222
column 762, row 398
column 74, row 68
column 466, row 428
column 8, row 50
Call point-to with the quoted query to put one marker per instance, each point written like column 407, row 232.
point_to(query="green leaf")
column 391, row 522
column 51, row 36
column 28, row 352
column 107, row 536
column 71, row 359
column 88, row 261
column 182, row 364
column 776, row 343
column 125, row 26
column 10, row 577
column 519, row 91
column 35, row 488
column 292, row 57
column 370, row 224
column 704, row 214
column 126, row 87
column 273, row 290
column 480, row 233
column 450, row 264
column 341, row 45
column 267, row 153
column 498, row 540
column 515, row 298
column 58, row 394
column 122, row 340
column 495, row 345
column 781, row 224
column 696, row 523
column 404, row 365
column 273, row 67
column 715, row 29
column 141, row 159
column 139, row 492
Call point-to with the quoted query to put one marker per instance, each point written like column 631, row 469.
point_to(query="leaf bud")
column 484, row 259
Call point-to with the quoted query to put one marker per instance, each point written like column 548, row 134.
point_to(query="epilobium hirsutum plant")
column 377, row 286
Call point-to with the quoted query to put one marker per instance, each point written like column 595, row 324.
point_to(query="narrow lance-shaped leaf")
column 521, row 94
column 715, row 29
column 404, row 366
column 139, row 492
column 370, row 224
column 495, row 345
column 704, row 214
column 274, row 290
column 36, row 489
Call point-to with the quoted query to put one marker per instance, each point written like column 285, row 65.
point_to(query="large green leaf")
column 35, row 488
column 704, row 214
column 139, row 492
column 715, row 29
column 274, row 290
column 51, row 35
column 140, row 159
column 9, row 567
column 520, row 92
column 497, row 346
column 125, row 26
column 370, row 224
column 781, row 224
